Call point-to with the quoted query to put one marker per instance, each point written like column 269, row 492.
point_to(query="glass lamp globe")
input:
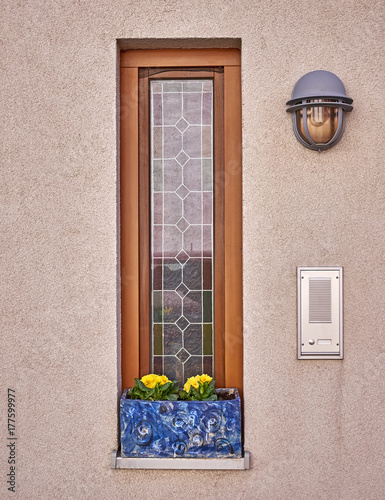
column 318, row 104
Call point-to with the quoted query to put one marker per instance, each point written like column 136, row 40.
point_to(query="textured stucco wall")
column 315, row 429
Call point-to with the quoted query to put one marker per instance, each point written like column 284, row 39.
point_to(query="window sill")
column 119, row 462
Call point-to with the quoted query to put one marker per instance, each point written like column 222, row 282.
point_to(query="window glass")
column 181, row 158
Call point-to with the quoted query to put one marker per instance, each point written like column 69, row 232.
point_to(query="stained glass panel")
column 181, row 128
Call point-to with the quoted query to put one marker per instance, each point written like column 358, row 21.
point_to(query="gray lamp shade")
column 318, row 104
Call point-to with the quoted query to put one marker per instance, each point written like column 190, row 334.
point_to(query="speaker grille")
column 320, row 300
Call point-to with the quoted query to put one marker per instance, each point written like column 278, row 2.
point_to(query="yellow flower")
column 151, row 380
column 192, row 381
column 204, row 378
column 163, row 380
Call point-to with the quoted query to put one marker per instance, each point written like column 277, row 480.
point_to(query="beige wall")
column 315, row 429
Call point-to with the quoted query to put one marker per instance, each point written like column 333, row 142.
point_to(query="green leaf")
column 141, row 385
column 183, row 394
column 166, row 387
column 195, row 394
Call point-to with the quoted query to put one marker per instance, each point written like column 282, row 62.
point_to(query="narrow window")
column 177, row 164
column 181, row 215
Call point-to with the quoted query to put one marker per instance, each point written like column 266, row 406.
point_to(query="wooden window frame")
column 135, row 270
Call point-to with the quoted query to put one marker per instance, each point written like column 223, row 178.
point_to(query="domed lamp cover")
column 318, row 104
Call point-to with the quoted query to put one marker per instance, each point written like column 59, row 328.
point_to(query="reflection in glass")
column 322, row 122
column 181, row 128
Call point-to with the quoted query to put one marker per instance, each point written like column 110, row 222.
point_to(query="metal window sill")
column 119, row 462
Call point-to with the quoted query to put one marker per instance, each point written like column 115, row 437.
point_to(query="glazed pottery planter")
column 176, row 429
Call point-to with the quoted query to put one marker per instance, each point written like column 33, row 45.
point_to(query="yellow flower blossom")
column 192, row 381
column 151, row 380
column 204, row 378
column 163, row 380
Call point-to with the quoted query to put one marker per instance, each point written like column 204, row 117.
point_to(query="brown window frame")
column 136, row 67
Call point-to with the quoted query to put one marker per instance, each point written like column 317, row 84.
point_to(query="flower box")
column 176, row 429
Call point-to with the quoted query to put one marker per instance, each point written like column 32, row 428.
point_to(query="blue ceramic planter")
column 176, row 429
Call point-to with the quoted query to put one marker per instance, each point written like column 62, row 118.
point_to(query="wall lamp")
column 318, row 103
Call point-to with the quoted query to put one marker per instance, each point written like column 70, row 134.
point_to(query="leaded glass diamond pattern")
column 182, row 257
column 181, row 158
column 181, row 125
column 183, row 355
column 182, row 224
column 182, row 191
column 182, row 290
column 182, row 323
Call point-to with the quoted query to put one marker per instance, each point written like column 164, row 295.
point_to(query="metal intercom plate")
column 320, row 312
